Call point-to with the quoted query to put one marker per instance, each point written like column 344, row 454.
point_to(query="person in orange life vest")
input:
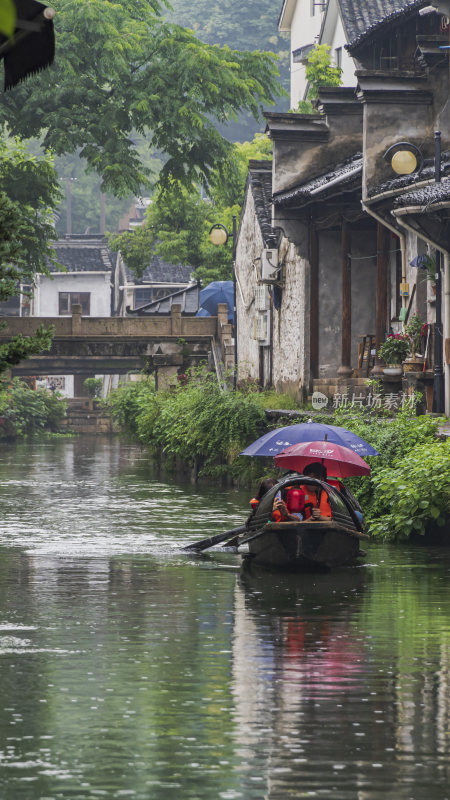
column 291, row 509
column 264, row 487
column 317, row 506
column 343, row 490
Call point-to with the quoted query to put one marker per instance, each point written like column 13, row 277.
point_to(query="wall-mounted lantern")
column 404, row 158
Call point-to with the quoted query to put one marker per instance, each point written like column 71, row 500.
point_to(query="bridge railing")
column 174, row 325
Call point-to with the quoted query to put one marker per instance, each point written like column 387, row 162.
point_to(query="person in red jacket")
column 291, row 509
column 316, row 499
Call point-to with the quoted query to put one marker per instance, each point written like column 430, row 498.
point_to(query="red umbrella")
column 341, row 462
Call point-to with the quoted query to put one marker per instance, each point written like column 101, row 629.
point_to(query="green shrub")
column 27, row 411
column 393, row 437
column 413, row 492
column 275, row 400
column 193, row 421
column 93, row 386
column 128, row 401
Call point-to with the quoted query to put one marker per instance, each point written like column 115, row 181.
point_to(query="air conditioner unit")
column 263, row 328
column 269, row 266
column 262, row 302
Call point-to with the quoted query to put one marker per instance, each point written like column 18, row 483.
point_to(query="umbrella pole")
column 325, row 439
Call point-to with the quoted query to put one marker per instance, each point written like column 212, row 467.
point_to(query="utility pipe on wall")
column 393, row 229
column 446, row 291
column 440, row 397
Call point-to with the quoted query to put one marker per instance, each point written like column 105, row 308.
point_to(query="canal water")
column 131, row 669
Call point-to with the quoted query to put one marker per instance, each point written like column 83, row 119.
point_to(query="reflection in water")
column 131, row 669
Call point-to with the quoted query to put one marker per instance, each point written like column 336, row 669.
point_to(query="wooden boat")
column 308, row 544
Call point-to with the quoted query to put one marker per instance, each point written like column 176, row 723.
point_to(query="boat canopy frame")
column 342, row 510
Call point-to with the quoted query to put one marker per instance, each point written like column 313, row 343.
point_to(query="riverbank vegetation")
column 25, row 412
column 207, row 429
column 28, row 191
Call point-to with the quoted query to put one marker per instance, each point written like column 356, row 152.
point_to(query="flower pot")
column 413, row 364
column 393, row 369
column 433, row 288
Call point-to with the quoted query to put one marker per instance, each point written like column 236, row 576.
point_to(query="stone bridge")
column 117, row 345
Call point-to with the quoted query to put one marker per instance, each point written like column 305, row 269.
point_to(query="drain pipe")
column 446, row 331
column 393, row 229
column 442, row 398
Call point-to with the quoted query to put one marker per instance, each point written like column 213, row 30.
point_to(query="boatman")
column 317, row 506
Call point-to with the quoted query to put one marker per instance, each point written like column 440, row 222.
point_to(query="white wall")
column 304, row 29
column 46, row 295
column 338, row 40
column 64, row 383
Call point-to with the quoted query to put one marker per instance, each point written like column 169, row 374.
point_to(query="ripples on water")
column 130, row 669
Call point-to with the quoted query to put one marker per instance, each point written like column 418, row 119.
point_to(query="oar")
column 212, row 540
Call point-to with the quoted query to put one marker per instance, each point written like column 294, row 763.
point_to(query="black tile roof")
column 425, row 197
column 160, row 271
column 407, row 181
column 83, row 254
column 188, row 298
column 341, row 175
column 362, row 17
column 260, row 179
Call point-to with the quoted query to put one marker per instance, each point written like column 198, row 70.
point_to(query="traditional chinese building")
column 324, row 254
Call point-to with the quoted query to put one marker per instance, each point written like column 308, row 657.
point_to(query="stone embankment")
column 87, row 416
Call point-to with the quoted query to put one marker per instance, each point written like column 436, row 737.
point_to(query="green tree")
column 122, row 69
column 7, row 17
column 252, row 25
column 319, row 72
column 28, row 193
column 179, row 219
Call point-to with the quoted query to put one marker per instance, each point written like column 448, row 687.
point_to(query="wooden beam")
column 346, row 339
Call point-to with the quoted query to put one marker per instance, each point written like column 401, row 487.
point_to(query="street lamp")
column 218, row 235
column 404, row 158
column 438, row 383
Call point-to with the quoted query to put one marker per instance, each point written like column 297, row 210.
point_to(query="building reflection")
column 324, row 704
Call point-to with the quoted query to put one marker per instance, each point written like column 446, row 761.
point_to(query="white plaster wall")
column 305, row 29
column 46, row 300
column 46, row 381
column 348, row 65
column 291, row 325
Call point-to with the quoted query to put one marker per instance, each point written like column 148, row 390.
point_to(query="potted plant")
column 93, row 387
column 393, row 352
column 413, row 331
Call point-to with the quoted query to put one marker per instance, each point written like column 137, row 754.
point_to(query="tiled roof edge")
column 413, row 5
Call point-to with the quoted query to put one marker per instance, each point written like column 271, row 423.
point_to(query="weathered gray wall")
column 291, row 325
column 330, row 295
column 330, row 303
column 248, row 264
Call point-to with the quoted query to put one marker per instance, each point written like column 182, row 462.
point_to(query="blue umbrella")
column 218, row 292
column 275, row 441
